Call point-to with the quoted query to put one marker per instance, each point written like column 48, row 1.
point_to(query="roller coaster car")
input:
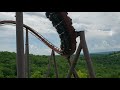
column 66, row 31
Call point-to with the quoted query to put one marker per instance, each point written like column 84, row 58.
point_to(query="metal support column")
column 27, row 67
column 55, row 65
column 82, row 45
column 74, row 71
column 87, row 56
column 49, row 65
column 20, row 45
column 73, row 64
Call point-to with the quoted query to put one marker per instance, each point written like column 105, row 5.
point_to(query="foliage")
column 105, row 66
column 81, row 74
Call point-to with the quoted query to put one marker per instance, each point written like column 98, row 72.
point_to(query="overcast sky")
column 102, row 31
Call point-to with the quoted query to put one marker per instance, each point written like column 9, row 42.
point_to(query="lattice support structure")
column 82, row 45
column 52, row 57
column 74, row 71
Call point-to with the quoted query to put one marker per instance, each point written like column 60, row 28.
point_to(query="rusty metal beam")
column 55, row 65
column 82, row 45
column 74, row 71
column 20, row 45
column 87, row 55
column 49, row 65
column 74, row 60
column 27, row 56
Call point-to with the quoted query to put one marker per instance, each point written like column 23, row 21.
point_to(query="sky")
column 102, row 31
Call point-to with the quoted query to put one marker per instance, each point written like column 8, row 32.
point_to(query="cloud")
column 7, row 15
column 34, row 49
column 102, row 30
column 38, row 22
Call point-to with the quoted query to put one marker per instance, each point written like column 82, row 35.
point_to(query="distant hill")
column 106, row 65
column 109, row 52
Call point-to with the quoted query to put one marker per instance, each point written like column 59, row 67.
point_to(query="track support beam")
column 82, row 45
column 27, row 67
column 55, row 65
column 20, row 45
column 74, row 71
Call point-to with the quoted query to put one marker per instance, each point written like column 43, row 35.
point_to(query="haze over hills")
column 107, row 52
column 99, row 53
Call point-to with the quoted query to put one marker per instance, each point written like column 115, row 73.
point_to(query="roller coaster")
column 63, row 24
column 65, row 30
column 36, row 34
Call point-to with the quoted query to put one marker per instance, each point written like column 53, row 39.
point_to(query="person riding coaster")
column 58, row 23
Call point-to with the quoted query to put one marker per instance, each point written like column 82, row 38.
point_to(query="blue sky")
column 102, row 31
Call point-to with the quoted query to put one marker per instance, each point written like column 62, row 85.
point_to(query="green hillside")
column 105, row 66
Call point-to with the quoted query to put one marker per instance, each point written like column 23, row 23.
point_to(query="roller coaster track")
column 63, row 25
column 36, row 34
